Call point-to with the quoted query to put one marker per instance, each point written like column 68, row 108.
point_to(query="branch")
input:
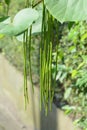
column 37, row 3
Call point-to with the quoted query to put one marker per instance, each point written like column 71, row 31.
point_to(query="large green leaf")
column 22, row 20
column 9, row 29
column 25, row 18
column 36, row 26
column 4, row 24
column 67, row 10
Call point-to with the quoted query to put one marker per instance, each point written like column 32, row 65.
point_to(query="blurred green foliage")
column 72, row 67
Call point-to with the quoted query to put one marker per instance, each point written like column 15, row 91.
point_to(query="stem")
column 25, row 69
column 33, row 6
column 41, row 59
column 30, row 70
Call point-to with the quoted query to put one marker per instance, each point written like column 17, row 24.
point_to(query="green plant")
column 75, row 58
column 23, row 23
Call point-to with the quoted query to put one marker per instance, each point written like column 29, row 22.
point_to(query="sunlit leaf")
column 68, row 109
column 67, row 93
column 7, row 21
column 22, row 20
column 1, row 36
column 67, row 10
column 64, row 75
column 83, row 37
column 84, row 57
column 58, row 75
column 8, row 29
column 74, row 73
column 72, row 49
column 80, row 65
column 36, row 27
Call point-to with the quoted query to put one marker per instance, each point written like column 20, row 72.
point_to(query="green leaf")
column 84, row 57
column 22, row 20
column 70, row 25
column 68, row 109
column 3, row 18
column 83, row 37
column 67, row 10
column 72, row 49
column 7, row 21
column 67, row 93
column 2, row 25
column 36, row 26
column 7, row 29
column 1, row 36
column 58, row 75
column 80, row 65
column 64, row 75
column 74, row 73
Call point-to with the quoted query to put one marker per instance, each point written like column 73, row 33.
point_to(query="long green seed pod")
column 30, row 70
column 25, row 68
